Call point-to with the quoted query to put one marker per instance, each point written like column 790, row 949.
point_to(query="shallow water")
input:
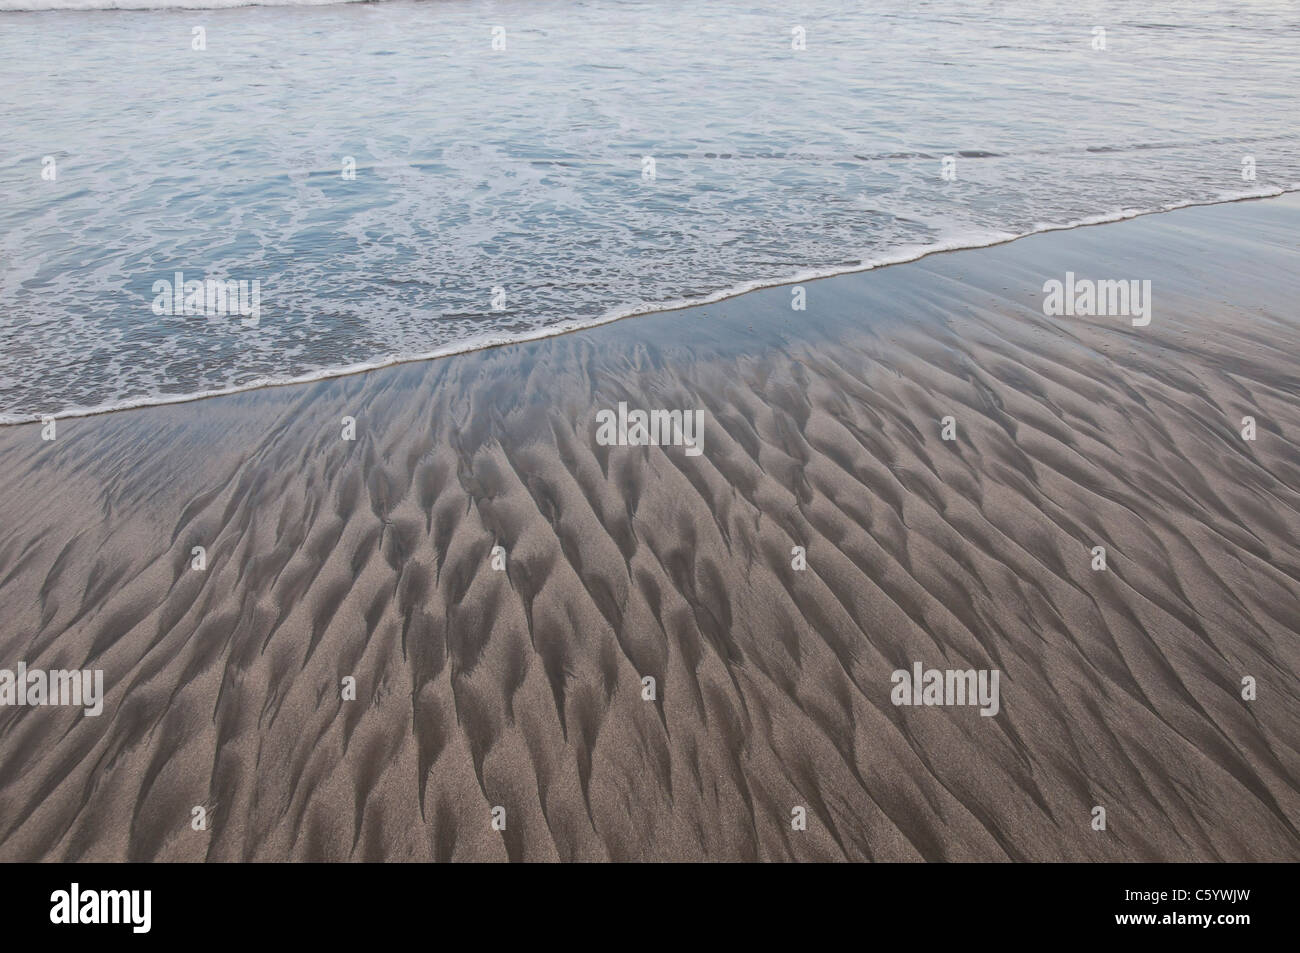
column 524, row 168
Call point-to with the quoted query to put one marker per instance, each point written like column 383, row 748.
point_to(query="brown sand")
column 478, row 688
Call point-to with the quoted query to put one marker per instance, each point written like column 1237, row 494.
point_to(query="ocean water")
column 524, row 168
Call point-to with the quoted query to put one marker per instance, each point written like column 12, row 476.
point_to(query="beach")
column 498, row 584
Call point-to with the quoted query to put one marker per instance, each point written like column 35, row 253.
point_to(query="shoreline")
column 912, row 254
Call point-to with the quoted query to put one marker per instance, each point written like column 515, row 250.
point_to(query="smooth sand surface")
column 477, row 688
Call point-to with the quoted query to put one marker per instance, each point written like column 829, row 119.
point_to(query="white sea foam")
column 521, row 169
column 898, row 257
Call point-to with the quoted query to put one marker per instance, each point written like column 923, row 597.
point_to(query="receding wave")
column 396, row 181
column 490, row 339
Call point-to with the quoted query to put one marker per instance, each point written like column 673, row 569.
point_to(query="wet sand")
column 522, row 688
